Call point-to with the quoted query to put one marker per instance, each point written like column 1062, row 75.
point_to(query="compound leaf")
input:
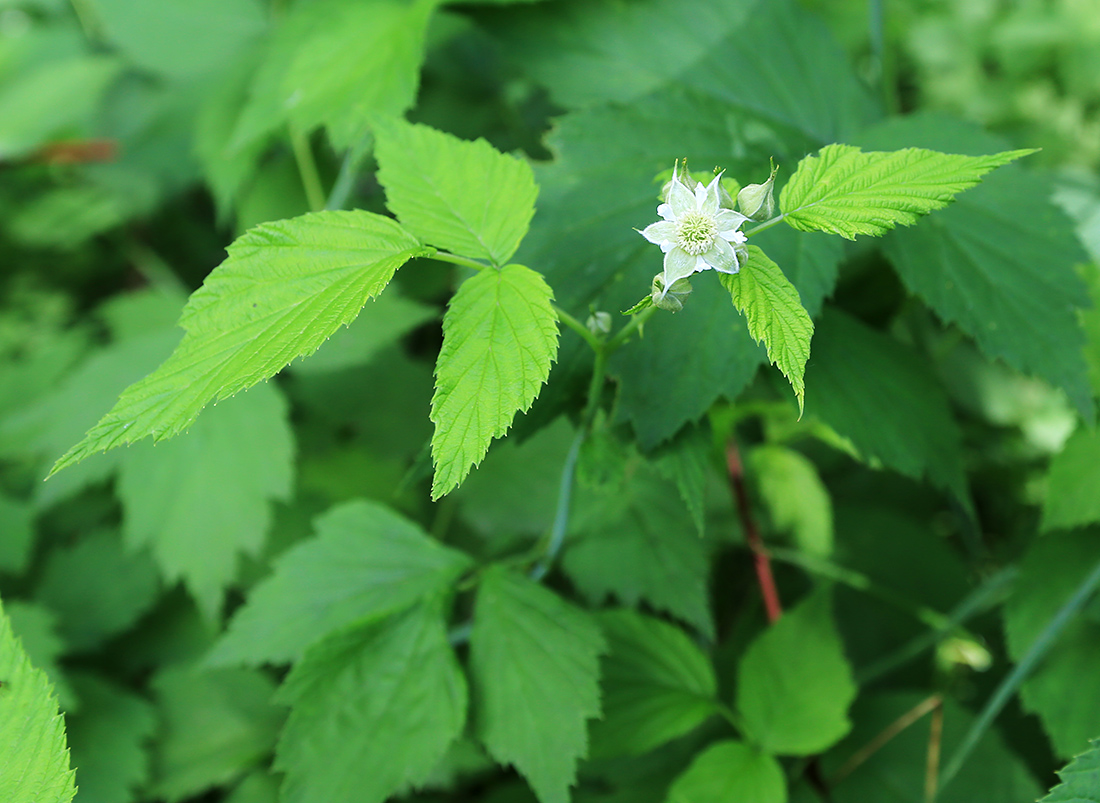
column 366, row 561
column 466, row 197
column 500, row 335
column 286, row 287
column 34, row 760
column 535, row 664
column 350, row 741
column 845, row 191
column 776, row 317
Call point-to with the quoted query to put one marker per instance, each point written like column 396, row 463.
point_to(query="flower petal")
column 708, row 201
column 727, row 221
column 680, row 199
column 660, row 232
column 665, row 211
column 722, row 257
column 679, row 264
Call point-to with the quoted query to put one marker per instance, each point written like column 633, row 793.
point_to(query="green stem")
column 861, row 582
column 767, row 224
column 624, row 334
column 455, row 259
column 569, row 470
column 981, row 599
column 1035, row 653
column 345, row 179
column 89, row 22
column 577, row 327
column 307, row 169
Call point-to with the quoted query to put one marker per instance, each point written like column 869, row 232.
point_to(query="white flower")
column 696, row 233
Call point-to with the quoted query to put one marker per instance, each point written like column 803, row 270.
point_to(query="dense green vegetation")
column 816, row 519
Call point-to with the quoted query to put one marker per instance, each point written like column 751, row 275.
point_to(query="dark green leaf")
column 1080, row 779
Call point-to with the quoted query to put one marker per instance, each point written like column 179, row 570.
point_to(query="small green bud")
column 599, row 323
column 757, row 201
column 958, row 651
column 673, row 298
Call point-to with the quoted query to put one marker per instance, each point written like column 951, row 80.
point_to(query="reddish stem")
column 752, row 534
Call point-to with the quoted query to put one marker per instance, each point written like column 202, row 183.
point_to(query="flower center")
column 696, row 232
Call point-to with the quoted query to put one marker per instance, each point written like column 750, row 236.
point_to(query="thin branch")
column 932, row 764
column 455, row 259
column 762, row 560
column 884, row 737
column 577, row 327
column 307, row 169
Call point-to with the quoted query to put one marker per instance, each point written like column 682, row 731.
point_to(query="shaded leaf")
column 730, row 772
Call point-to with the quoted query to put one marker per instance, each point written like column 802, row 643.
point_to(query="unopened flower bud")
column 671, row 298
column 757, row 201
column 599, row 323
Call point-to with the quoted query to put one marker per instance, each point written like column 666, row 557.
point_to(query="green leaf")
column 180, row 40
column 199, row 502
column 805, row 83
column 34, row 760
column 286, row 287
column 1080, row 779
column 1071, row 499
column 366, row 562
column 1000, row 263
column 97, row 588
column 535, row 666
column 338, row 63
column 466, row 197
column 1064, row 690
column 642, row 529
column 794, row 684
column 350, row 741
column 108, row 738
column 686, row 461
column 797, row 500
column 216, row 725
column 873, row 390
column 500, row 335
column 776, row 317
column 657, row 685
column 36, row 627
column 845, row 191
column 730, row 772
column 61, row 94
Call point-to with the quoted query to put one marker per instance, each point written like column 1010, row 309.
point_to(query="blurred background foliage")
column 117, row 197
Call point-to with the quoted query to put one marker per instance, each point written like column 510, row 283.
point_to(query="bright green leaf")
column 730, row 772
column 366, row 562
column 216, row 725
column 286, row 287
column 657, row 685
column 644, row 530
column 500, row 335
column 350, row 741
column 1072, row 499
column 797, row 500
column 845, row 191
column 199, row 502
column 873, row 390
column 466, row 197
column 1080, row 779
column 1064, row 690
column 36, row 627
column 535, row 667
column 776, row 317
column 34, row 760
column 97, row 588
column 108, row 739
column 795, row 685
